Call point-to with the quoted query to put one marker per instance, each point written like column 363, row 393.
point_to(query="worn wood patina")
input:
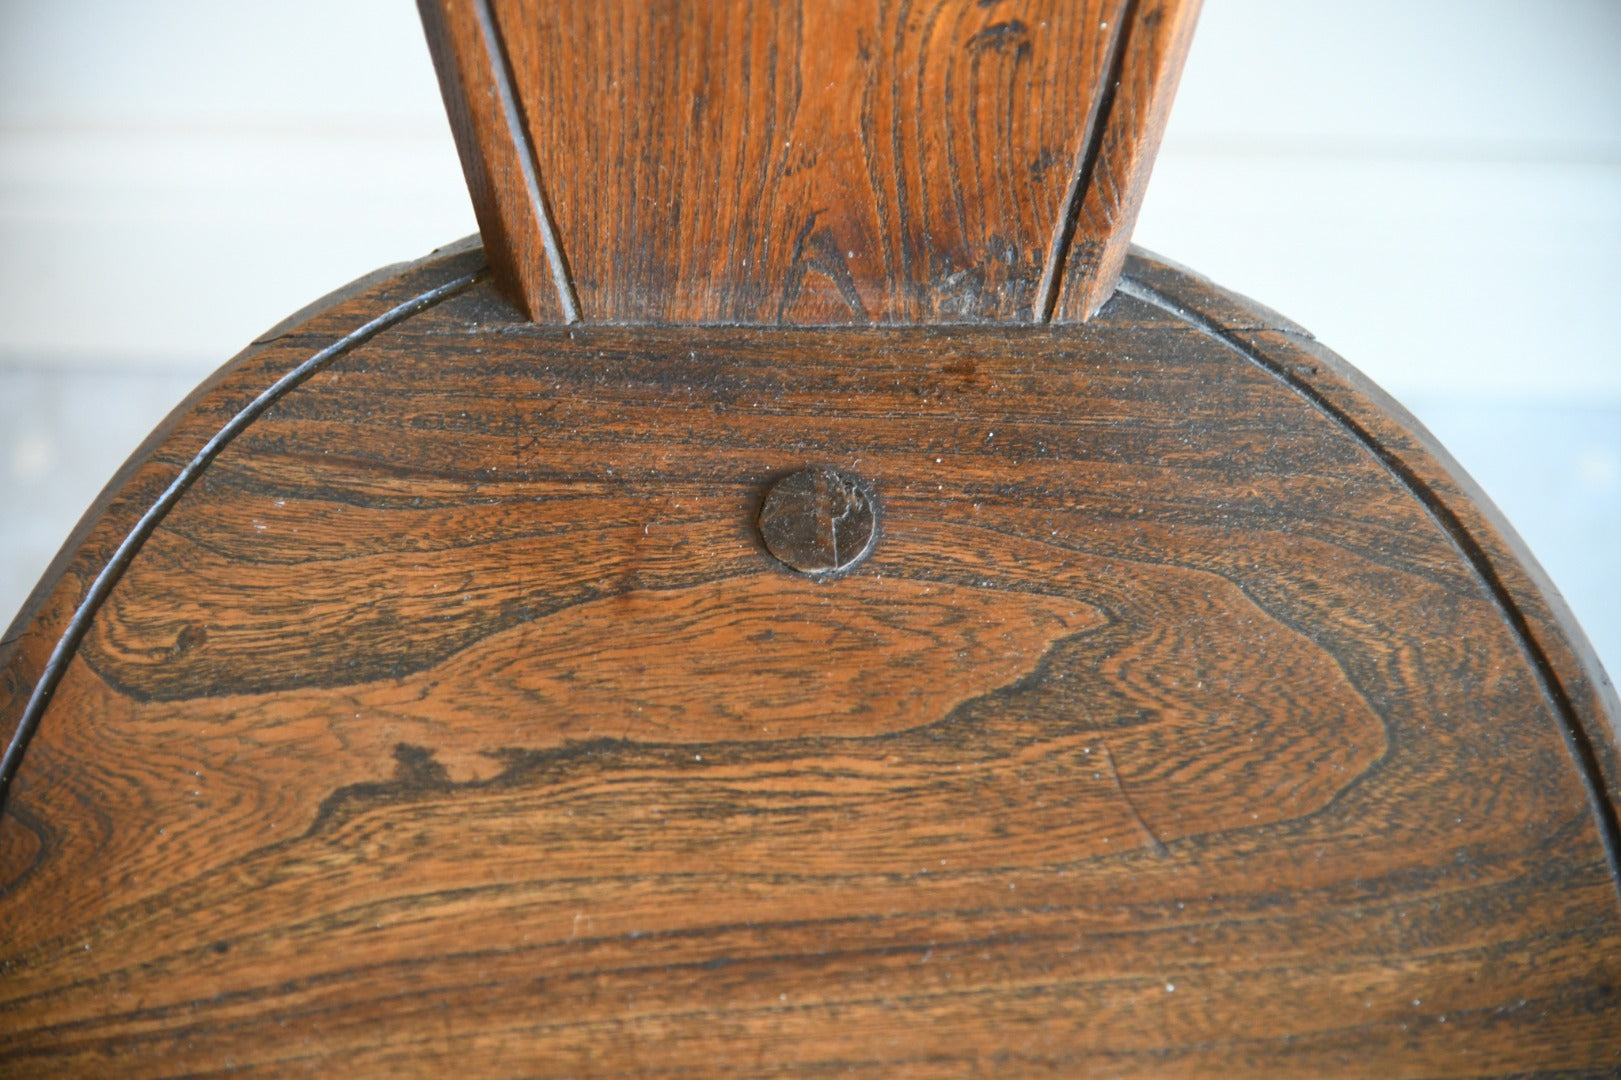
column 578, row 653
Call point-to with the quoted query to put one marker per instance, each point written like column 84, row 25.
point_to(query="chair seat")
column 423, row 698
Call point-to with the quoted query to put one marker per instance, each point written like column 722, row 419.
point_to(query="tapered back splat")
column 808, row 162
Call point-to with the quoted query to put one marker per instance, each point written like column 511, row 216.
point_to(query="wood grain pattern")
column 813, row 163
column 1188, row 716
column 1113, row 182
column 510, row 206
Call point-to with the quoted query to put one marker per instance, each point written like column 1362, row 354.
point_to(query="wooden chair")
column 802, row 595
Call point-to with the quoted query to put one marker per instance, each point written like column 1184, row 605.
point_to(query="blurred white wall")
column 1432, row 186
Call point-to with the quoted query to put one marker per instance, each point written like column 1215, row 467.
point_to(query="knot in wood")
column 819, row 521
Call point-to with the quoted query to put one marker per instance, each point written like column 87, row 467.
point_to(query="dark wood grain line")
column 1050, row 933
column 1584, row 756
column 512, row 114
column 1258, row 913
column 108, row 578
column 1085, row 165
column 1029, row 937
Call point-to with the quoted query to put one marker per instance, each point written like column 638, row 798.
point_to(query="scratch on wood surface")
column 1114, row 771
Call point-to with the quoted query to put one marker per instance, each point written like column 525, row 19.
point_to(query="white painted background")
column 1431, row 186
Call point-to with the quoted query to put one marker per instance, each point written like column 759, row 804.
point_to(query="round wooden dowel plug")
column 819, row 521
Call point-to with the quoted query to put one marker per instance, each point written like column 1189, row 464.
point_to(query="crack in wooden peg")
column 819, row 521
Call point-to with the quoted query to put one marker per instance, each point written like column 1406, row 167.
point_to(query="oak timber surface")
column 455, row 718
